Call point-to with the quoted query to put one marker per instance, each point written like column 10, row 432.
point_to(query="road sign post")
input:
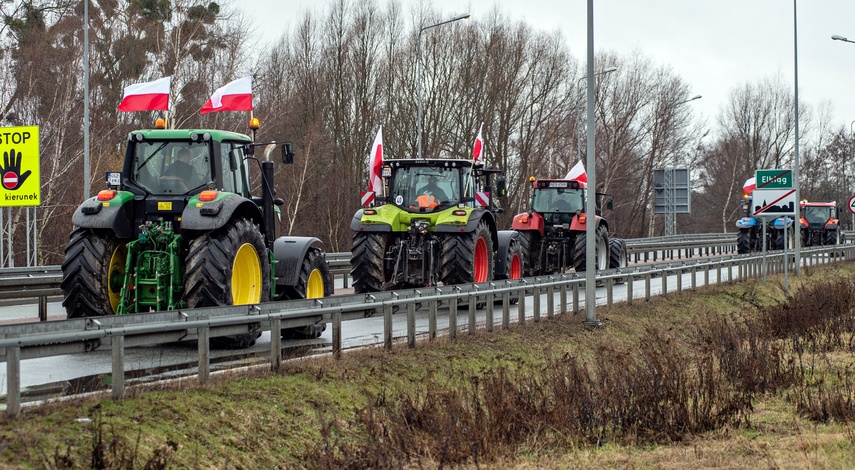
column 852, row 210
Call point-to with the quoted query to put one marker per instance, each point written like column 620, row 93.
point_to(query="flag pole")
column 474, row 159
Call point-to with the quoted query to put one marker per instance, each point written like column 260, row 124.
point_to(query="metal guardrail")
column 35, row 340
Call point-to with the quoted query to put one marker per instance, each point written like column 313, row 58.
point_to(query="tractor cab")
column 426, row 186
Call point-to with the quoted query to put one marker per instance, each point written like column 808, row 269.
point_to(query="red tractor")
column 820, row 224
column 552, row 231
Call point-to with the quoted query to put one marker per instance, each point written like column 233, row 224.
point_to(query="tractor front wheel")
column 513, row 261
column 601, row 253
column 367, row 262
column 315, row 282
column 93, row 273
column 467, row 257
column 530, row 247
column 743, row 241
column 228, row 266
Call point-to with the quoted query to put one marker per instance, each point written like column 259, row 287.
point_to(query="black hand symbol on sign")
column 10, row 172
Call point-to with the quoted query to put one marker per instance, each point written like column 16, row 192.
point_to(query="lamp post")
column 838, row 37
column 419, row 71
column 851, row 159
column 579, row 113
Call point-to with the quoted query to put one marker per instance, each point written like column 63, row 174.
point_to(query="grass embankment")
column 734, row 376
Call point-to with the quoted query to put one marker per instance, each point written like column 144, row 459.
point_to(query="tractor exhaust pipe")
column 267, row 201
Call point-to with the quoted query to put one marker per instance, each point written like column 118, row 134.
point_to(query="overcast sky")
column 715, row 45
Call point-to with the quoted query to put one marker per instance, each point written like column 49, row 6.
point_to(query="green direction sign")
column 774, row 179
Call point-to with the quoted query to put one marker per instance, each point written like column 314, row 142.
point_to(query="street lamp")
column 838, row 37
column 579, row 113
column 419, row 71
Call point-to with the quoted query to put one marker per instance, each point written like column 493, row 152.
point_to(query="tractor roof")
column 433, row 162
column 183, row 134
column 818, row 204
column 559, row 184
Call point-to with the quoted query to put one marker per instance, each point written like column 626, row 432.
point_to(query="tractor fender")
column 289, row 253
column 833, row 225
column 474, row 220
column 505, row 237
column 526, row 221
column 357, row 226
column 215, row 214
column 780, row 221
column 746, row 222
column 116, row 217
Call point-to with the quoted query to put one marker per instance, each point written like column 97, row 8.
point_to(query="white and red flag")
column 375, row 164
column 750, row 185
column 148, row 96
column 233, row 96
column 478, row 148
column 577, row 173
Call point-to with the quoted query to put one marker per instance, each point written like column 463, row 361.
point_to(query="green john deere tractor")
column 436, row 225
column 179, row 228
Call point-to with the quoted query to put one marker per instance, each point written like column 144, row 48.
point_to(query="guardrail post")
column 117, row 380
column 679, row 280
column 609, row 293
column 387, row 326
column 276, row 342
column 432, row 308
column 13, row 381
column 647, row 282
column 562, row 295
column 43, row 308
column 694, row 270
column 489, row 308
column 664, row 282
column 550, row 301
column 336, row 335
column 452, row 316
column 204, row 347
column 506, row 310
column 411, row 324
column 535, row 302
column 575, row 297
column 706, row 274
column 473, row 307
column 629, row 289
column 521, row 305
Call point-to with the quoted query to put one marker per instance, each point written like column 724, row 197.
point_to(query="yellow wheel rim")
column 315, row 285
column 116, row 275
column 246, row 276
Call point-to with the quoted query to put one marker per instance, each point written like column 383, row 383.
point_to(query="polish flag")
column 577, row 173
column 375, row 164
column 148, row 96
column 234, row 96
column 750, row 185
column 478, row 148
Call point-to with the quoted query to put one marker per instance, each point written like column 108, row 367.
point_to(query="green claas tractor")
column 436, row 225
column 179, row 228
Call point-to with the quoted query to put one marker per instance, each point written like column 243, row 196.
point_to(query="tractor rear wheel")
column 229, row 266
column 832, row 237
column 315, row 282
column 743, row 241
column 467, row 257
column 618, row 256
column 601, row 253
column 367, row 262
column 93, row 273
column 530, row 247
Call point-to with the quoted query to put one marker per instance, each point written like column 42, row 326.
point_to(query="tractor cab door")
column 235, row 169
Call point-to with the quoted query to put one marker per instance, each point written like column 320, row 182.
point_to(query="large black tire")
column 229, row 266
column 617, row 253
column 780, row 243
column 92, row 258
column 832, row 237
column 743, row 241
column 530, row 247
column 467, row 257
column 315, row 282
column 601, row 254
column 367, row 262
column 514, row 261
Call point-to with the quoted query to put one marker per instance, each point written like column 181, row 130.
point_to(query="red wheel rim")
column 516, row 267
column 481, row 261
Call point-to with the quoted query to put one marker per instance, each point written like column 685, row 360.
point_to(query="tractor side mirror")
column 233, row 164
column 501, row 186
column 288, row 153
column 610, row 203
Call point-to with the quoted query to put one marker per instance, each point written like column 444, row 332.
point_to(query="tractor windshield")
column 818, row 215
column 171, row 167
column 565, row 201
column 426, row 189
